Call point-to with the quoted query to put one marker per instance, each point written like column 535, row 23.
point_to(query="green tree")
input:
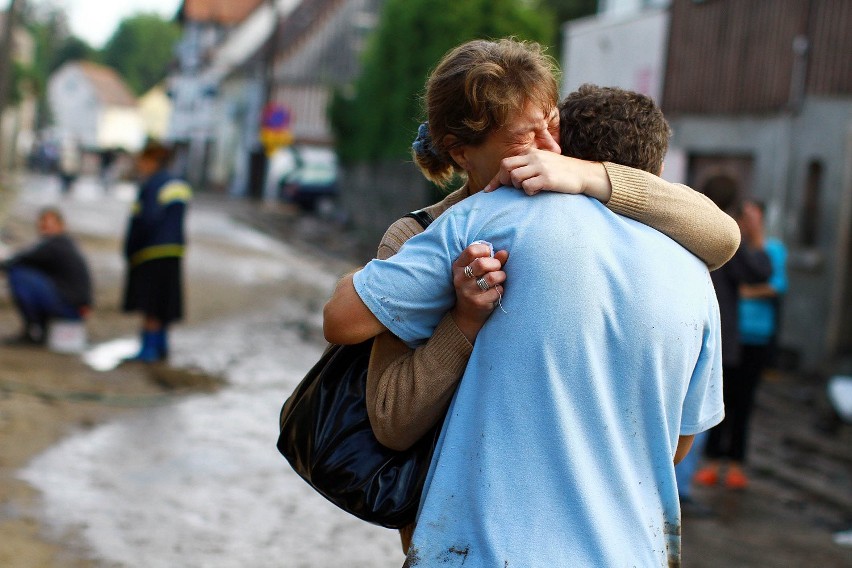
column 378, row 120
column 54, row 45
column 141, row 49
column 71, row 49
column 23, row 80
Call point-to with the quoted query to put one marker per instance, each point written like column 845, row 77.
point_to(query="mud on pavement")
column 46, row 397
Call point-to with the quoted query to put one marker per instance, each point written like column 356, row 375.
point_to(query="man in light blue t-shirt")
column 559, row 446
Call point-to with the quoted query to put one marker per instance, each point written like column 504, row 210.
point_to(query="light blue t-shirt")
column 557, row 448
column 758, row 317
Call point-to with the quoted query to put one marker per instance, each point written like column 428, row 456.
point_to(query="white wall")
column 622, row 7
column 615, row 51
column 155, row 107
column 74, row 105
column 121, row 127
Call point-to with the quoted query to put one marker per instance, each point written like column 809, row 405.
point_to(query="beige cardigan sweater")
column 409, row 391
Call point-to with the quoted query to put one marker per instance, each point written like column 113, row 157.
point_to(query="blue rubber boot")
column 150, row 351
column 162, row 343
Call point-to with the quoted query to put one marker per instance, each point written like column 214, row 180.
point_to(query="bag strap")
column 422, row 217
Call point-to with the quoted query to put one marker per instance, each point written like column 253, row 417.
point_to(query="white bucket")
column 66, row 336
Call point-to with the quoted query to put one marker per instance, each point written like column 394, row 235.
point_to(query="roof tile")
column 109, row 86
column 224, row 12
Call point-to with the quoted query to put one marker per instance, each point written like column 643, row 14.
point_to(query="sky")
column 95, row 20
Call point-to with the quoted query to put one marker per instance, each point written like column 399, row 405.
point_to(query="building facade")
column 194, row 83
column 231, row 65
column 762, row 92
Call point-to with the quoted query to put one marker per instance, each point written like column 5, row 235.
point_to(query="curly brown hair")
column 472, row 92
column 608, row 124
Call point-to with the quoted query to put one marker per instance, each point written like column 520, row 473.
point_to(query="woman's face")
column 530, row 129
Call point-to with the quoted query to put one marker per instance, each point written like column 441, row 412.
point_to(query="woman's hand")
column 540, row 170
column 474, row 304
column 757, row 291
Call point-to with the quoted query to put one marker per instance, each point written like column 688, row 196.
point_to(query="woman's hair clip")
column 422, row 145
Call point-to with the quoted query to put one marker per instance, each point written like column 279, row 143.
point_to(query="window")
column 809, row 221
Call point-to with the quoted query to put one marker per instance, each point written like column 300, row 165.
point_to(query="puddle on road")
column 109, row 355
column 200, row 482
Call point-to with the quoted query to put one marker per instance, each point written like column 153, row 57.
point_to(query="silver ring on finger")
column 468, row 271
column 483, row 285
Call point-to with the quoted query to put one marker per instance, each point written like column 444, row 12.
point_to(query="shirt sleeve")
column 703, row 405
column 409, row 390
column 411, row 291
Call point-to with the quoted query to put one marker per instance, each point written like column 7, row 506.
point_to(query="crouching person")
column 48, row 280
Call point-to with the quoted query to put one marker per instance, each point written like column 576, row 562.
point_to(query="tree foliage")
column 378, row 119
column 71, row 49
column 54, row 45
column 141, row 50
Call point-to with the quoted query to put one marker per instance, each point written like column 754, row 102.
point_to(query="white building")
column 617, row 50
column 624, row 7
column 216, row 36
column 91, row 104
column 624, row 45
column 237, row 56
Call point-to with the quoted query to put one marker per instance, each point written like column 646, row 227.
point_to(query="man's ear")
column 458, row 152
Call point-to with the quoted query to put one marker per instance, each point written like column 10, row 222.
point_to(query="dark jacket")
column 156, row 228
column 748, row 266
column 60, row 260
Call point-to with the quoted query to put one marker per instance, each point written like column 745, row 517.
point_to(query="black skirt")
column 155, row 288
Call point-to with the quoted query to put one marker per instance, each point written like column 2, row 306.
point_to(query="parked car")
column 311, row 183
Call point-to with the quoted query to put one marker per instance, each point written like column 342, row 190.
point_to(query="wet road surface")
column 198, row 482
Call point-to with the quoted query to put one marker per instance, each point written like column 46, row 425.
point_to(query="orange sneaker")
column 706, row 476
column 736, row 479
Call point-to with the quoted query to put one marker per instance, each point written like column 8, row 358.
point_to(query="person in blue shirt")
column 582, row 391
column 759, row 308
column 154, row 248
column 757, row 324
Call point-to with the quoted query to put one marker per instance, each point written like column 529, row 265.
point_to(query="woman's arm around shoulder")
column 677, row 211
column 681, row 213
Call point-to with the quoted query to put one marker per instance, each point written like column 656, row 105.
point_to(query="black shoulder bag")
column 327, row 438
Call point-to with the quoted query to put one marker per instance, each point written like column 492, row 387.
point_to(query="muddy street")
column 175, row 465
column 170, row 465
